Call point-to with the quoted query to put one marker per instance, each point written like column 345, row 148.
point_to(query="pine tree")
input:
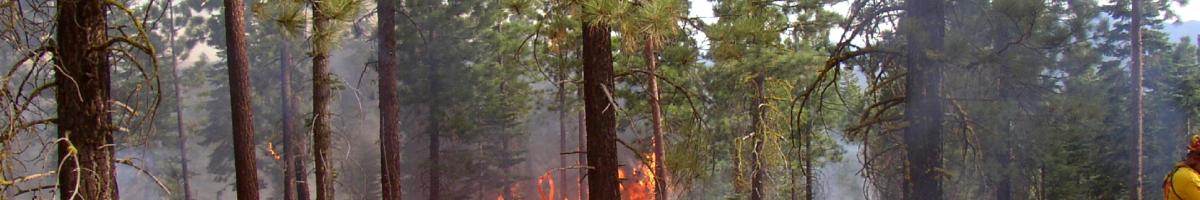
column 389, row 102
column 239, row 84
column 82, row 83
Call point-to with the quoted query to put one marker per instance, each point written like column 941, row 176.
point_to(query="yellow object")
column 1194, row 145
column 1182, row 184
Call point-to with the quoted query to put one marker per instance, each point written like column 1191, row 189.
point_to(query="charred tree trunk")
column 239, row 89
column 389, row 101
column 601, row 118
column 180, row 127
column 1135, row 38
column 756, row 179
column 82, row 94
column 660, row 169
column 923, row 91
column 322, row 127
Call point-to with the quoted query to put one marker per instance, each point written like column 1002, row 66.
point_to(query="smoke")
column 841, row 179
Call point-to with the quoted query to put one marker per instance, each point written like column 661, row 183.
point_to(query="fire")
column 271, row 149
column 548, row 179
column 638, row 185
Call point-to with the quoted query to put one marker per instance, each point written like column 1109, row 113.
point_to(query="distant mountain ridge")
column 1188, row 28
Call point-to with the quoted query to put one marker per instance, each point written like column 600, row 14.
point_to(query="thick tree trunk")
column 239, row 89
column 756, row 159
column 924, row 107
column 389, row 101
column 82, row 94
column 601, row 114
column 322, row 127
column 180, row 126
column 660, row 169
column 1135, row 37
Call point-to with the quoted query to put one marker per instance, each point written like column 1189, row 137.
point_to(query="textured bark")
column 239, row 97
column 924, row 108
column 1135, row 37
column 389, row 101
column 322, row 127
column 82, row 79
column 180, row 126
column 756, row 159
column 660, row 169
column 601, row 114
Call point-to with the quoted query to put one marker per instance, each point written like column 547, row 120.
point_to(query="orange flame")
column 638, row 185
column 548, row 178
column 271, row 149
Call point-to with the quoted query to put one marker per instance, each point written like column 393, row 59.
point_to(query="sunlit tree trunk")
column 82, row 83
column 924, row 108
column 389, row 101
column 239, row 89
column 601, row 114
column 322, row 127
column 1135, row 38
column 660, row 170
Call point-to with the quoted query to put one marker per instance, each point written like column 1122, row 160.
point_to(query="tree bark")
column 601, row 113
column 180, row 126
column 239, row 89
column 562, row 127
column 82, row 79
column 924, row 107
column 322, row 127
column 582, row 160
column 756, row 179
column 1135, row 37
column 389, row 101
column 435, row 117
column 660, row 169
column 294, row 187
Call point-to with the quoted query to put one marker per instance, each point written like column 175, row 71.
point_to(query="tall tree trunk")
column 180, row 126
column 562, row 127
column 660, row 169
column 1135, row 37
column 810, row 178
column 601, row 114
column 923, row 91
column 435, row 117
column 389, row 101
column 756, row 159
column 582, row 160
column 322, row 127
column 82, row 94
column 294, row 187
column 239, row 93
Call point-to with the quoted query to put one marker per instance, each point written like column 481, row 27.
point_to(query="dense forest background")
column 571, row 99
